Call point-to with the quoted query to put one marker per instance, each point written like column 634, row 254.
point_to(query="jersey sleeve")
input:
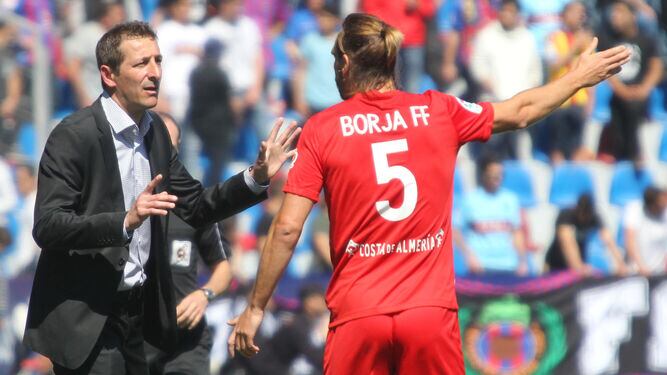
column 473, row 122
column 305, row 177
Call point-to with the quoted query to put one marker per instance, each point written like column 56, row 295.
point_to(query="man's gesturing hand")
column 274, row 151
column 594, row 67
column 149, row 204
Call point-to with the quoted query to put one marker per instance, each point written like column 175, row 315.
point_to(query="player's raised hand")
column 274, row 151
column 243, row 334
column 594, row 67
column 149, row 204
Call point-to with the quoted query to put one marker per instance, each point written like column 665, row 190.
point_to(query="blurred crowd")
column 583, row 190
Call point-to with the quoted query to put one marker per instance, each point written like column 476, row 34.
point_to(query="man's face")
column 574, row 16
column 492, row 177
column 180, row 11
column 137, row 81
column 24, row 181
column 621, row 17
column 509, row 16
column 115, row 15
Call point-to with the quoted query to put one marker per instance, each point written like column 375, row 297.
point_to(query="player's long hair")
column 372, row 46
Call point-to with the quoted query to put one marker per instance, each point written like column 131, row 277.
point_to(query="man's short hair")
column 108, row 51
column 511, row 2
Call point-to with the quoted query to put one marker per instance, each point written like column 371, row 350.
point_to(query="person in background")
column 80, row 51
column 492, row 240
column 504, row 62
column 645, row 232
column 459, row 22
column 26, row 252
column 188, row 248
column 574, row 228
column 11, row 88
column 314, row 87
column 182, row 44
column 564, row 127
column 211, row 114
column 633, row 85
column 241, row 57
column 301, row 23
column 410, row 16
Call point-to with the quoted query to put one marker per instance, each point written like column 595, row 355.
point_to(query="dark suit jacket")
column 79, row 214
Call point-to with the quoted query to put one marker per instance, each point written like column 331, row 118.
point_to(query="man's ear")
column 108, row 76
column 346, row 65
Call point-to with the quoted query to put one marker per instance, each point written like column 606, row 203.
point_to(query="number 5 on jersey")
column 385, row 173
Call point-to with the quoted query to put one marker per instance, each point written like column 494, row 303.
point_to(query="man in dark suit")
column 107, row 180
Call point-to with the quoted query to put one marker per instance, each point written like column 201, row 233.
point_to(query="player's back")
column 386, row 162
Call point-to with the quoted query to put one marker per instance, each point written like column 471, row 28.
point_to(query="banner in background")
column 561, row 324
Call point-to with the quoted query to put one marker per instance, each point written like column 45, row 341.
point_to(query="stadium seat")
column 662, row 153
column 26, row 141
column 627, row 183
column 657, row 105
column 518, row 180
column 569, row 182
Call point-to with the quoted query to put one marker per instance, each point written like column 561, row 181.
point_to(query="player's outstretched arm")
column 278, row 250
column 531, row 105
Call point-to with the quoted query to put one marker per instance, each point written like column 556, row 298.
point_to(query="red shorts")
column 423, row 340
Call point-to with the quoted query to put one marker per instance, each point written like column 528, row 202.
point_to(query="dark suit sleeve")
column 59, row 219
column 198, row 206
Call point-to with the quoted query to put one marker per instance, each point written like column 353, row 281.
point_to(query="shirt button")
column 121, row 262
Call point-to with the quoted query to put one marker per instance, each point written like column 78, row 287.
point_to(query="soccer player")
column 385, row 159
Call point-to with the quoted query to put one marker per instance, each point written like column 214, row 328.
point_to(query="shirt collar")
column 119, row 119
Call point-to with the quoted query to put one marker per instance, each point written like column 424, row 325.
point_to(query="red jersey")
column 386, row 163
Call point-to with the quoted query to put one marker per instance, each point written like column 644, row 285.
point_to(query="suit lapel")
column 115, row 188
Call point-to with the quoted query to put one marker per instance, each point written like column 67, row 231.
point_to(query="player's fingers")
column 157, row 212
column 591, row 46
column 261, row 155
column 618, row 57
column 232, row 322
column 231, row 343
column 613, row 51
column 291, row 154
column 160, row 205
column 164, row 196
column 195, row 320
column 153, row 184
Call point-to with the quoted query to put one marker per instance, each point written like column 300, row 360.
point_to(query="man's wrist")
column 208, row 293
column 253, row 184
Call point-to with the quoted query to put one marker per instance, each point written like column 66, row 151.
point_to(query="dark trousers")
column 192, row 356
column 626, row 116
column 120, row 348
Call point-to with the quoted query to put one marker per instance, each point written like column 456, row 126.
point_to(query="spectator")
column 270, row 16
column 241, row 57
column 181, row 44
column 302, row 22
column 458, row 24
column 8, row 196
column 492, row 240
column 633, row 85
column 645, row 232
column 542, row 18
column 24, row 257
column 304, row 335
column 574, row 228
column 315, row 83
column 564, row 126
column 410, row 17
column 11, row 88
column 81, row 62
column 505, row 62
column 211, row 114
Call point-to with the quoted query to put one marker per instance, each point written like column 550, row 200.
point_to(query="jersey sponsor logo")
column 181, row 252
column 414, row 245
column 470, row 107
column 372, row 123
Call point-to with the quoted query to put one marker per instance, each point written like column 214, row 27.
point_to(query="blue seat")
column 517, row 179
column 662, row 153
column 627, row 183
column 569, row 182
column 459, row 189
column 656, row 102
column 601, row 108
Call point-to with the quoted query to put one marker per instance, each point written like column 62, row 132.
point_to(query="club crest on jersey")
column 351, row 247
column 181, row 251
column 470, row 107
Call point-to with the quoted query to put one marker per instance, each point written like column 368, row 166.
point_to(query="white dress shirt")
column 135, row 174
